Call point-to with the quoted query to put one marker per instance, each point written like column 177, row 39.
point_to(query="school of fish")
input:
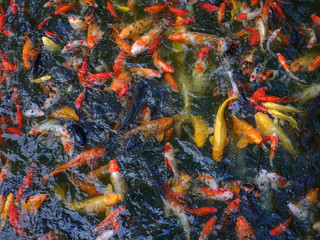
column 96, row 83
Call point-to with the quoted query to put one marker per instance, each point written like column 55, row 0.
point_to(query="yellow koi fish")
column 201, row 130
column 267, row 127
column 246, row 131
column 276, row 114
column 219, row 139
column 281, row 108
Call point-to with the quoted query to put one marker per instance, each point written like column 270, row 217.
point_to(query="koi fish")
column 119, row 63
column 155, row 9
column 111, row 9
column 35, row 112
column 247, row 133
column 302, row 63
column 121, row 81
column 98, row 78
column 44, row 21
column 146, row 72
column 16, row 221
column 255, row 36
column 202, row 211
column 277, row 180
column 118, row 181
column 74, row 45
column 28, row 180
column 179, row 212
column 217, row 194
column 314, row 64
column 248, row 16
column 161, row 65
column 194, row 38
column 284, row 64
column 108, row 221
column 33, row 204
column 276, row 114
column 208, row 180
column 179, row 186
column 77, row 23
column 178, row 12
column 53, row 95
column 4, row 170
column 267, row 127
column 274, row 145
column 171, row 82
column 260, row 26
column 94, row 34
column 145, row 42
column 219, row 139
column 281, row 228
column 98, row 173
column 62, row 9
column 82, row 159
column 132, row 30
column 208, row 227
column 97, row 204
column 210, row 8
column 315, row 19
column 5, row 213
column 184, row 22
column 50, row 45
column 221, row 11
column 312, row 38
column 170, row 160
column 272, row 38
column 244, row 230
column 201, row 130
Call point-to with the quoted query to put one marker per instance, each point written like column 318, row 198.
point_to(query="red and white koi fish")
column 277, row 180
column 74, row 45
column 193, row 38
column 313, row 38
column 285, row 66
column 145, row 42
column 178, row 210
column 118, row 181
column 208, row 180
column 248, row 16
column 272, row 38
column 217, row 194
column 170, row 160
column 77, row 23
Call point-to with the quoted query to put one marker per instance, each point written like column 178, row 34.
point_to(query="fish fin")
column 160, row 137
column 242, row 143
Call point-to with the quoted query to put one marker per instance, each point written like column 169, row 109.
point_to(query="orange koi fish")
column 77, row 23
column 184, row 22
column 155, row 9
column 273, row 149
column 82, row 159
column 221, row 11
column 255, row 98
column 111, row 9
column 94, row 34
column 161, row 65
column 118, row 181
column 210, row 8
column 208, row 227
column 28, row 180
column 178, row 12
column 155, row 45
column 316, row 20
column 244, row 230
column 202, row 211
column 281, row 228
column 246, row 131
column 121, row 81
column 19, row 116
column 64, row 8
column 98, row 78
column 33, row 203
column 194, row 38
column 146, row 72
column 13, row 131
column 171, row 82
column 119, row 63
column 132, row 30
column 86, row 187
column 145, row 42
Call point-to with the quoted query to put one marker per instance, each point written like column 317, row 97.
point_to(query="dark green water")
column 143, row 165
